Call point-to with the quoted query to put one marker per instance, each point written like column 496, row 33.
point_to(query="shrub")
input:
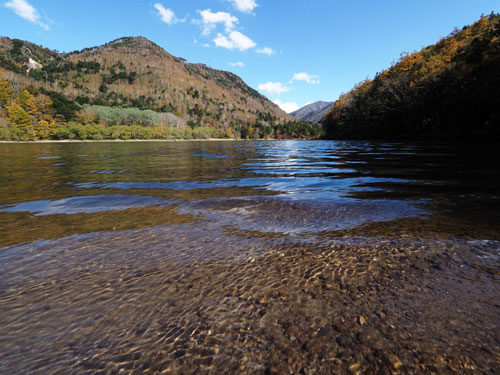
column 4, row 130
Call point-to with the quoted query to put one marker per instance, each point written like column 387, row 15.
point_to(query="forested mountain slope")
column 450, row 89
column 129, row 81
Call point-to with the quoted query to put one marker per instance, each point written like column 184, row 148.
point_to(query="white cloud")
column 230, row 38
column 273, row 88
column 265, row 51
column 209, row 21
column 246, row 6
column 288, row 107
column 236, row 40
column 25, row 10
column 239, row 64
column 167, row 15
column 309, row 78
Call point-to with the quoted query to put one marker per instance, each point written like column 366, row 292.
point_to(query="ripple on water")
column 285, row 215
column 114, row 302
column 243, row 288
column 85, row 204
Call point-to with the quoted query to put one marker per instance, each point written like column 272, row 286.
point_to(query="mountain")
column 133, row 72
column 313, row 112
column 450, row 89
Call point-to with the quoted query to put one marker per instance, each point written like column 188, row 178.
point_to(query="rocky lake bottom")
column 213, row 280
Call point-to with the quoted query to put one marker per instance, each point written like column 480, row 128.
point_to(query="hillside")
column 313, row 112
column 450, row 89
column 134, row 73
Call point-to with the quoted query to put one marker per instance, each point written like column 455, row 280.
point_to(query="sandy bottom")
column 185, row 300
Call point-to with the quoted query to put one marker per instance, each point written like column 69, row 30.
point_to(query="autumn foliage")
column 32, row 113
column 129, row 88
column 449, row 89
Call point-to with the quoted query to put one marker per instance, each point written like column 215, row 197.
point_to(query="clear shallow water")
column 229, row 257
column 86, row 204
column 282, row 187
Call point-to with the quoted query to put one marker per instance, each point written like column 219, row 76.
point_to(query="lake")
column 249, row 257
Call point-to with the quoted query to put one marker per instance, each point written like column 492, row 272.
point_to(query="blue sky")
column 294, row 52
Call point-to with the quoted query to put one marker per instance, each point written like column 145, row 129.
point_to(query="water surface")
column 283, row 187
column 229, row 257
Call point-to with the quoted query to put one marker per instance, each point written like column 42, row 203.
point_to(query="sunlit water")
column 290, row 187
column 94, row 215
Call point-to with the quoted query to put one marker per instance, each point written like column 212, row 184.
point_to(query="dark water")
column 294, row 187
column 90, row 234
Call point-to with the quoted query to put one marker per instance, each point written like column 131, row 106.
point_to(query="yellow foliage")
column 86, row 118
column 450, row 49
column 24, row 98
column 408, row 61
column 5, row 92
column 43, row 128
column 39, row 105
column 20, row 118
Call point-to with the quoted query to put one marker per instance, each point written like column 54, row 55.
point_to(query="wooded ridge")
column 447, row 90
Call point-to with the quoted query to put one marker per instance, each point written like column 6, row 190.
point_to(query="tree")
column 19, row 117
column 5, row 92
column 63, row 106
column 43, row 128
column 40, row 106
column 244, row 132
column 24, row 97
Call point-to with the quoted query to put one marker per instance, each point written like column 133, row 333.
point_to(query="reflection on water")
column 249, row 257
column 297, row 216
column 332, row 185
column 73, row 205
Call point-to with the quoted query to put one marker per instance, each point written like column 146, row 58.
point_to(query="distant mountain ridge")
column 313, row 112
column 135, row 72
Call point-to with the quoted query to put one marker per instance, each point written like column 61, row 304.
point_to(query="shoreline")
column 125, row 140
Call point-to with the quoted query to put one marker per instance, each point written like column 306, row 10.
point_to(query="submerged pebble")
column 229, row 315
